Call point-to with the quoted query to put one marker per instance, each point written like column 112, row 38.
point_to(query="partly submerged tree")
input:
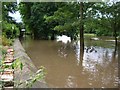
column 66, row 16
column 33, row 16
column 109, row 18
column 81, row 29
column 47, row 19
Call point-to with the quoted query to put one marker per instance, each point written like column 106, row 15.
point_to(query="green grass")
column 7, row 42
column 89, row 34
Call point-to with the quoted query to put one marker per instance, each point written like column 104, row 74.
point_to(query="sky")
column 16, row 16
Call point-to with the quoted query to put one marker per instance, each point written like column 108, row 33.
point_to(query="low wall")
column 28, row 67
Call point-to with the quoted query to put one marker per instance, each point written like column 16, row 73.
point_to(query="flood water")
column 66, row 69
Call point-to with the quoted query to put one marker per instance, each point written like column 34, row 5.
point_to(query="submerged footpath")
column 28, row 68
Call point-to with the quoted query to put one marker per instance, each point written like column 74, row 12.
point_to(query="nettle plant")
column 39, row 75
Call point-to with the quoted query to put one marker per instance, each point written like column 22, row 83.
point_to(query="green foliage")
column 44, row 19
column 17, row 64
column 66, row 17
column 4, row 51
column 39, row 75
column 108, row 19
column 33, row 16
column 6, row 42
column 10, row 30
column 8, row 7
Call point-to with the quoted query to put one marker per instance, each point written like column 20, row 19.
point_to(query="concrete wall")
column 28, row 67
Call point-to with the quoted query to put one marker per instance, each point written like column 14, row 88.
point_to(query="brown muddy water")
column 65, row 69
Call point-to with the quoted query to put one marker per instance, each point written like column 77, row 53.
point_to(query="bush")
column 10, row 30
column 103, row 32
column 6, row 42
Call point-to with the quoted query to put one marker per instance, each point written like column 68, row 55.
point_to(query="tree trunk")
column 115, row 32
column 118, row 56
column 81, row 28
column 81, row 56
column 115, row 35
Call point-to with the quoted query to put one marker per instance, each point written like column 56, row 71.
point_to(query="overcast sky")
column 16, row 16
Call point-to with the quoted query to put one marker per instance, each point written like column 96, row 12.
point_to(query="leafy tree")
column 67, row 18
column 47, row 19
column 8, row 7
column 33, row 17
column 114, row 19
column 109, row 18
column 9, row 28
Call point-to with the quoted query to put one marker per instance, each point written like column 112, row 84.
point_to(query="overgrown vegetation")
column 10, row 31
column 6, row 42
column 39, row 75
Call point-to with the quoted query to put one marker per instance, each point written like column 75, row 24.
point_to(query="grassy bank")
column 89, row 35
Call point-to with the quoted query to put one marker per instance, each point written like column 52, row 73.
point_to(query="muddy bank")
column 28, row 67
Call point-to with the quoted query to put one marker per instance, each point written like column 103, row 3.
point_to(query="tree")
column 8, row 7
column 114, row 10
column 81, row 29
column 66, row 16
column 9, row 28
column 48, row 19
column 36, row 22
column 109, row 17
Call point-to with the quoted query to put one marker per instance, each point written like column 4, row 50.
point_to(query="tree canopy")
column 9, row 28
column 50, row 18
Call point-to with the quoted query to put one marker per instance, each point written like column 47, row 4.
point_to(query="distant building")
column 23, row 30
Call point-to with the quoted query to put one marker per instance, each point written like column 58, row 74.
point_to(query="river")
column 98, row 69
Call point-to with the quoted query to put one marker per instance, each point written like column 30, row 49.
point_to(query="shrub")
column 10, row 30
column 6, row 42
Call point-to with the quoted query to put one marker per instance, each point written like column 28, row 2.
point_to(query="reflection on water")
column 77, row 51
column 65, row 68
column 70, row 82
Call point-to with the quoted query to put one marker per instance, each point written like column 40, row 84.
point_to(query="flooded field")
column 66, row 69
